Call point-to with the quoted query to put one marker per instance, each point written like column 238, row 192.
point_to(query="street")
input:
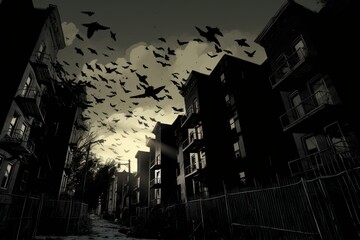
column 101, row 229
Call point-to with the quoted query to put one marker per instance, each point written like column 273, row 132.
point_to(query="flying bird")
column 113, row 35
column 93, row 27
column 79, row 51
column 150, row 91
column 142, row 78
column 89, row 13
column 209, row 35
column 242, row 42
column 181, row 42
column 79, row 37
column 250, row 54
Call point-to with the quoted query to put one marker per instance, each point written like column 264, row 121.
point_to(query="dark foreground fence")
column 326, row 208
column 23, row 217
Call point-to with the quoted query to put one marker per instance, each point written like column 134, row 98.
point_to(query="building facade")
column 315, row 88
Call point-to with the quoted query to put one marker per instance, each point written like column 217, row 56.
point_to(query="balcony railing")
column 18, row 141
column 307, row 107
column 44, row 66
column 190, row 112
column 288, row 66
column 327, row 162
column 193, row 138
column 155, row 201
column 192, row 168
column 155, row 182
column 29, row 102
column 156, row 162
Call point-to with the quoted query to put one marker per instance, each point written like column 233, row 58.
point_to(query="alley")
column 101, row 229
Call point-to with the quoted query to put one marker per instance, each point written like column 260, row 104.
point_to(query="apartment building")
column 35, row 134
column 141, row 183
column 251, row 111
column 313, row 79
column 162, row 172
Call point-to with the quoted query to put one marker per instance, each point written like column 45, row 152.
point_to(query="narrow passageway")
column 101, row 229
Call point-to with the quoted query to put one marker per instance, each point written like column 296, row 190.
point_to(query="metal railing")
column 189, row 112
column 156, row 161
column 306, row 107
column 288, row 66
column 326, row 162
column 155, row 181
column 20, row 137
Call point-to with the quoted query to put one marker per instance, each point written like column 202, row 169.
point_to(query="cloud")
column 70, row 30
column 110, row 119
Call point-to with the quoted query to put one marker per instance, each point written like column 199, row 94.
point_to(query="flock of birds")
column 99, row 79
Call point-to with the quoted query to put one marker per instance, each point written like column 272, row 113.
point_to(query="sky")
column 143, row 29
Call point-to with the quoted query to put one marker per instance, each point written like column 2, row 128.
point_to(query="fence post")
column 228, row 213
column 202, row 218
column 69, row 217
column 38, row 215
column 311, row 208
column 21, row 217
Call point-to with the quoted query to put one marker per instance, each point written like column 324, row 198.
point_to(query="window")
column 6, row 177
column 23, row 130
column 311, row 145
column 300, row 48
column 193, row 161
column 298, row 109
column 235, row 123
column 24, row 180
column 13, row 122
column 194, row 108
column 203, row 158
column 236, row 149
column 242, row 177
column 222, row 78
column 320, row 91
column 239, row 148
column 41, row 51
column 27, row 86
column 158, row 176
column 1, row 160
column 336, row 138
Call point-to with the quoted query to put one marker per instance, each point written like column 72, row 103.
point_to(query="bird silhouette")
column 242, row 42
column 79, row 51
column 150, row 91
column 89, row 13
column 113, row 35
column 181, row 42
column 250, row 54
column 93, row 27
column 210, row 35
column 142, row 78
column 79, row 37
column 93, row 51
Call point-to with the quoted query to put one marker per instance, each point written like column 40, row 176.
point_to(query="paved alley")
column 101, row 229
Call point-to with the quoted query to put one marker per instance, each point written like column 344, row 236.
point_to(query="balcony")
column 195, row 168
column 327, row 162
column 192, row 143
column 17, row 142
column 155, row 183
column 294, row 65
column 155, row 201
column 156, row 163
column 191, row 117
column 28, row 101
column 309, row 113
column 43, row 66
